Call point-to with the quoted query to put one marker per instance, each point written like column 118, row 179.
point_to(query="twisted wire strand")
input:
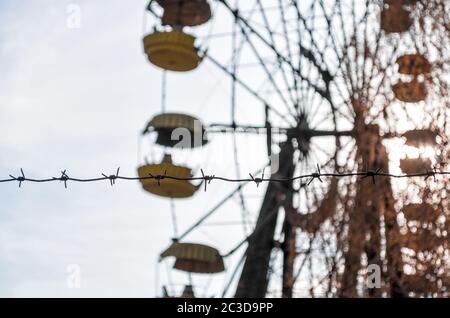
column 207, row 179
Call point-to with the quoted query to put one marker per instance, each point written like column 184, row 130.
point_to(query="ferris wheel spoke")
column 280, row 56
column 267, row 71
column 313, row 114
column 342, row 49
column 289, row 47
column 308, row 95
column 391, row 61
column 278, row 68
column 346, row 46
column 323, row 151
column 340, row 59
column 373, row 64
column 341, row 63
column 243, row 205
column 325, row 118
column 355, row 39
column 234, row 274
column 270, row 32
column 370, row 57
column 314, row 44
column 273, row 42
column 367, row 52
column 305, row 259
column 247, row 88
column 359, row 29
column 347, row 160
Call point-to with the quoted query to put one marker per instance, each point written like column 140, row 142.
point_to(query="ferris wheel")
column 339, row 85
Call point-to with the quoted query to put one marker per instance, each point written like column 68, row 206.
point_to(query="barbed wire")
column 206, row 179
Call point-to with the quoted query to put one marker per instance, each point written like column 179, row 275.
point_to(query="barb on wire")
column 432, row 173
column 372, row 174
column 258, row 180
column 207, row 179
column 21, row 179
column 64, row 178
column 367, row 173
column 158, row 177
column 316, row 175
column 113, row 177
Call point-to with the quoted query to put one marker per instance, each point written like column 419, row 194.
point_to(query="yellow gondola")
column 416, row 165
column 413, row 64
column 165, row 125
column 395, row 19
column 167, row 187
column 185, row 12
column 172, row 50
column 410, row 92
column 195, row 258
column 420, row 137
